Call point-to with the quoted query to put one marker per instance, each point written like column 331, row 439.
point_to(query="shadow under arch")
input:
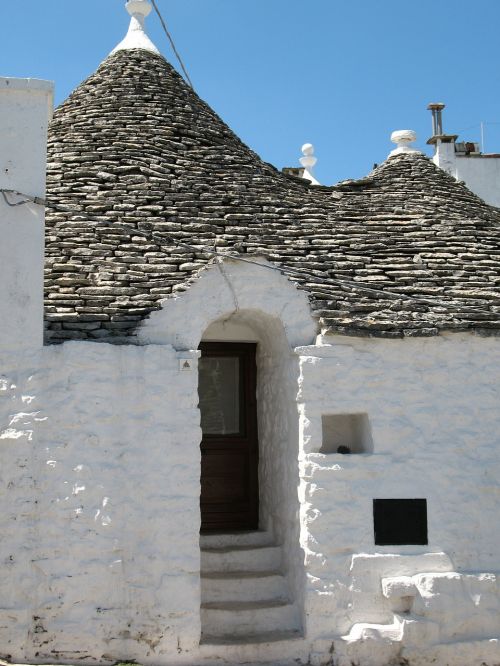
column 278, row 432
column 235, row 301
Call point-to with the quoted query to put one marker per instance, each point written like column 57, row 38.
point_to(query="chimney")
column 438, row 136
column 25, row 109
column 437, row 117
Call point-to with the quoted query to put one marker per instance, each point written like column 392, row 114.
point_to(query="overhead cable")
column 172, row 43
column 26, row 198
column 290, row 272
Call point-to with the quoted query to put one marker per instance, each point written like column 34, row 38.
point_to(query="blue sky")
column 340, row 74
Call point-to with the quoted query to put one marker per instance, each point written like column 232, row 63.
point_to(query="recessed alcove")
column 346, row 433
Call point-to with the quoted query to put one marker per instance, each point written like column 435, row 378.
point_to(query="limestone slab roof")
column 143, row 177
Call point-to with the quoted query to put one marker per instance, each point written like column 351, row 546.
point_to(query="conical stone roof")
column 405, row 251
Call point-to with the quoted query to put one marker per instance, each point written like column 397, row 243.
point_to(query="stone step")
column 240, row 538
column 241, row 558
column 243, row 586
column 276, row 648
column 247, row 618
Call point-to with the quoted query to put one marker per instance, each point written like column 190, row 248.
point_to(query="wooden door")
column 229, row 447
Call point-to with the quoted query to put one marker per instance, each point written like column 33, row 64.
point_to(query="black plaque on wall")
column 400, row 522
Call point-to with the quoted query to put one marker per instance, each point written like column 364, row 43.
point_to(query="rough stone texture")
column 443, row 617
column 135, row 146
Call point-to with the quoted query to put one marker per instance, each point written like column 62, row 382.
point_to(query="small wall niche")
column 346, row 433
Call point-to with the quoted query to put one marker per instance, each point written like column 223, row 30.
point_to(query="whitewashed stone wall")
column 99, row 488
column 99, row 502
column 481, row 173
column 434, row 409
column 25, row 109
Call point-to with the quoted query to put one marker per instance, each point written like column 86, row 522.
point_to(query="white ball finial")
column 308, row 149
column 403, row 139
column 308, row 161
column 139, row 7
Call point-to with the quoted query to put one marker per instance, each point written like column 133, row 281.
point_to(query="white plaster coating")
column 349, row 430
column 309, row 161
column 222, row 290
column 246, row 302
column 136, row 37
column 403, row 139
column 25, row 108
column 277, row 377
column 434, row 407
column 100, row 491
column 100, row 505
column 101, row 456
column 481, row 174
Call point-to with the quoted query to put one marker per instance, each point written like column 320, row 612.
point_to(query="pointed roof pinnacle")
column 403, row 140
column 136, row 37
column 309, row 162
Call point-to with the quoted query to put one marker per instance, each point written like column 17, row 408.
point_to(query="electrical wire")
column 290, row 272
column 172, row 43
column 27, row 199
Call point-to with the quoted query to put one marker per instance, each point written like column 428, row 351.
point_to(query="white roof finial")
column 309, row 162
column 403, row 139
column 136, row 37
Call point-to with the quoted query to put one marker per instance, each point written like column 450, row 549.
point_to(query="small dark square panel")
column 400, row 522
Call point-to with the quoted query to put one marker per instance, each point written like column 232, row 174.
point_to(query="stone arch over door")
column 222, row 290
column 242, row 302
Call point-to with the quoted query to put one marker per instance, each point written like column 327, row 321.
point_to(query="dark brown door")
column 229, row 448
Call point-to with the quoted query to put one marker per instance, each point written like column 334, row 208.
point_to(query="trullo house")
column 263, row 423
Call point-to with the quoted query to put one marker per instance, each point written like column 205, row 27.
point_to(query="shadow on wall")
column 278, row 431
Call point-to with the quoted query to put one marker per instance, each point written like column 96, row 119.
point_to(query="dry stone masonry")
column 164, row 230
column 406, row 251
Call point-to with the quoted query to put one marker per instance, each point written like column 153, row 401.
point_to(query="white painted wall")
column 100, row 483
column 25, row 109
column 99, row 492
column 99, row 505
column 223, row 290
column 480, row 173
column 434, row 409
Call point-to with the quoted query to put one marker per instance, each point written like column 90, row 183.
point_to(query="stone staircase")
column 244, row 594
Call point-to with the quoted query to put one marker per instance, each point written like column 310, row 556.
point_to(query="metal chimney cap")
column 436, row 106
